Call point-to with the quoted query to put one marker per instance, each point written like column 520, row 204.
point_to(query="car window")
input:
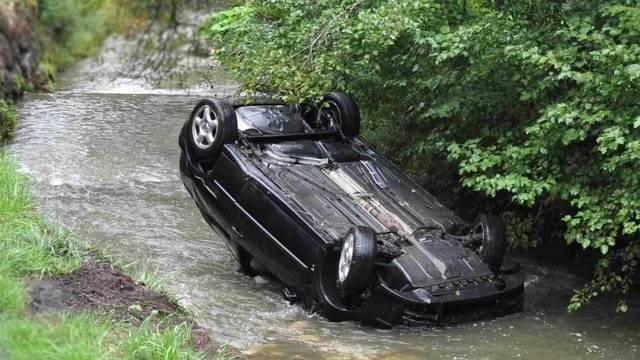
column 269, row 120
column 300, row 148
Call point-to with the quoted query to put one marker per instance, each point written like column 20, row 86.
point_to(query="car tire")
column 343, row 111
column 494, row 240
column 211, row 125
column 356, row 263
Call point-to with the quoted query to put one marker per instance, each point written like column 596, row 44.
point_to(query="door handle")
column 237, row 232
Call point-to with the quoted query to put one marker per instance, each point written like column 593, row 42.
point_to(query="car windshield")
column 270, row 120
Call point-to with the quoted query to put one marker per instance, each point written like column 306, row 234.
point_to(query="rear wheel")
column 336, row 111
column 494, row 240
column 212, row 124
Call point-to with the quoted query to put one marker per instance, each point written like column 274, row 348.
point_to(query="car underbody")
column 291, row 203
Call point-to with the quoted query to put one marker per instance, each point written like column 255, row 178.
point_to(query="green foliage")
column 535, row 102
column 21, row 83
column 75, row 29
column 7, row 120
column 158, row 9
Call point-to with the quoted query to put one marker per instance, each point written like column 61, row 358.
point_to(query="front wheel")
column 356, row 265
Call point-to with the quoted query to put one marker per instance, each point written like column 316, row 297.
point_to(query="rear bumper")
column 387, row 307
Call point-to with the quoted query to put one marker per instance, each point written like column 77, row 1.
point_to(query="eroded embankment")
column 100, row 287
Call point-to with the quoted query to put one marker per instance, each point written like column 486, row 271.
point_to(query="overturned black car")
column 296, row 193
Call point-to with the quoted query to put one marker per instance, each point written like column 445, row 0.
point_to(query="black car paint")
column 291, row 219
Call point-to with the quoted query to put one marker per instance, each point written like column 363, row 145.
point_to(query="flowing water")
column 103, row 157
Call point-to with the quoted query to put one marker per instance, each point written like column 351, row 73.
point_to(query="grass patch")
column 78, row 336
column 31, row 248
column 148, row 342
column 12, row 297
column 91, row 336
column 27, row 244
column 7, row 120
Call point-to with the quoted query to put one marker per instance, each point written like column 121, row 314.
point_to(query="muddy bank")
column 20, row 49
column 101, row 288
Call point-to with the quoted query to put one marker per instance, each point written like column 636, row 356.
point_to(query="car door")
column 250, row 214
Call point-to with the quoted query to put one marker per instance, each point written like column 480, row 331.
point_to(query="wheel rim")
column 479, row 229
column 331, row 115
column 204, row 127
column 346, row 256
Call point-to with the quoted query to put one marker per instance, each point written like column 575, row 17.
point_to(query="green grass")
column 147, row 342
column 7, row 120
column 12, row 296
column 31, row 248
column 78, row 336
column 89, row 336
column 27, row 244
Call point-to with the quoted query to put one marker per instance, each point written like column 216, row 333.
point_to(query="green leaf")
column 633, row 70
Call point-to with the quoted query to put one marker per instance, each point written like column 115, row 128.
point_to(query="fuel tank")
column 435, row 263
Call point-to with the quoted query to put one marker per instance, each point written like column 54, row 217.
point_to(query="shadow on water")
column 104, row 160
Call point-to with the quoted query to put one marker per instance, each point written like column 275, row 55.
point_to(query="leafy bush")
column 534, row 102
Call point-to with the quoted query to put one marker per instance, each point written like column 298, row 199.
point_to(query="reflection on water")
column 104, row 161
